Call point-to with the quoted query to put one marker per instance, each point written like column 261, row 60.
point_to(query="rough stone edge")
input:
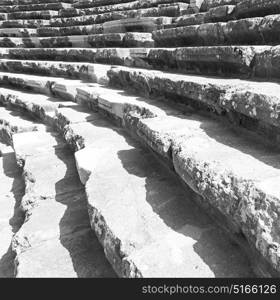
column 130, row 121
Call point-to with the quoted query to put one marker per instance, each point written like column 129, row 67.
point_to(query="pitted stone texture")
column 208, row 4
column 217, row 14
column 259, row 61
column 129, row 39
column 257, row 8
column 243, row 31
column 59, row 220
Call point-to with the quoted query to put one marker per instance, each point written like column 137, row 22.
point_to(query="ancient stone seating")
column 125, row 84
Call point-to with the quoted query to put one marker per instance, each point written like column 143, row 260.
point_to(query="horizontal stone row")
column 217, row 14
column 37, row 14
column 30, row 2
column 125, row 6
column 57, row 20
column 129, row 39
column 249, row 61
column 171, row 10
column 253, row 105
column 117, row 15
column 224, row 13
column 34, row 7
column 227, row 170
column 125, row 3
column 244, row 31
column 121, row 25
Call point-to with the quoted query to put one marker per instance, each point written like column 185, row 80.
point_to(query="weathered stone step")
column 257, row 8
column 30, row 2
column 171, row 10
column 217, row 14
column 224, row 13
column 250, row 61
column 119, row 26
column 110, row 16
column 125, row 3
column 130, row 24
column 34, row 7
column 53, row 31
column 129, row 39
column 55, row 20
column 14, row 123
column 30, row 23
column 11, row 185
column 37, row 14
column 208, row 4
column 252, row 104
column 167, row 219
column 244, row 31
column 91, row 9
column 12, row 189
column 56, row 240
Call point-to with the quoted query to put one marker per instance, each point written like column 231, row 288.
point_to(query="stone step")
column 257, row 8
column 129, row 39
column 119, row 26
column 110, row 16
column 37, row 14
column 126, row 4
column 54, row 31
column 30, row 2
column 250, row 104
column 247, row 61
column 208, row 4
column 216, row 14
column 12, row 189
column 91, row 9
column 130, row 24
column 224, row 13
column 167, row 219
column 244, row 31
column 11, row 185
column 34, row 7
column 30, row 23
column 171, row 10
column 56, row 240
column 56, row 20
column 15, row 123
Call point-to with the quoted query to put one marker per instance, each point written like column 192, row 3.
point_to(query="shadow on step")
column 217, row 127
column 76, row 235
column 175, row 206
column 10, row 169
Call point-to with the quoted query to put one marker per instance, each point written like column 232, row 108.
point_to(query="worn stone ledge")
column 215, row 176
column 247, row 61
column 28, row 2
column 30, row 23
column 217, row 14
column 125, row 6
column 233, row 99
column 123, row 23
column 106, row 17
column 129, row 39
column 172, row 9
column 253, row 105
column 34, row 7
column 208, row 4
column 257, row 8
column 244, row 31
column 43, row 14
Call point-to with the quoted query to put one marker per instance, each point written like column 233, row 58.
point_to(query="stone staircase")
column 169, row 111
